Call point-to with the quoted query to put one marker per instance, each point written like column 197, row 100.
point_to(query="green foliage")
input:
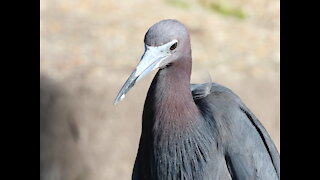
column 178, row 3
column 224, row 8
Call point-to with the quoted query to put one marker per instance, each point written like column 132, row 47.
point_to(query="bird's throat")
column 173, row 102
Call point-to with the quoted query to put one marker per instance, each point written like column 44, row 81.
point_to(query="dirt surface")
column 88, row 49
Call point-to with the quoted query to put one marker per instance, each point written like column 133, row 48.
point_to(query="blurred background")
column 89, row 47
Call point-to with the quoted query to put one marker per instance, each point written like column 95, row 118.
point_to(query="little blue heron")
column 194, row 131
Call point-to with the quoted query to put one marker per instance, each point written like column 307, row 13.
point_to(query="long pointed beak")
column 152, row 59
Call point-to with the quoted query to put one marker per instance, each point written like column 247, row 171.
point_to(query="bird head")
column 166, row 42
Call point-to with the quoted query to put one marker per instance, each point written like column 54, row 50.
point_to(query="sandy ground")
column 88, row 48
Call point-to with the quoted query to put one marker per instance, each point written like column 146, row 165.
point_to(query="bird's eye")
column 174, row 46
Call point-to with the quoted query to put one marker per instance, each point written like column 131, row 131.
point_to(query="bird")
column 194, row 131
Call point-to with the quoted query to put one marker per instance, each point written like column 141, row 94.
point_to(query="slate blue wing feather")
column 248, row 149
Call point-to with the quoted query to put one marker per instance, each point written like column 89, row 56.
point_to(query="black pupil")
column 173, row 46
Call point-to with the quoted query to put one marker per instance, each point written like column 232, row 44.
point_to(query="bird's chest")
column 181, row 154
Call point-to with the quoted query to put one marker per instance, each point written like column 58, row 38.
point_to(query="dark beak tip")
column 119, row 98
column 116, row 101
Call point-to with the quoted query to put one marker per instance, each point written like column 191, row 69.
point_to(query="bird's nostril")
column 174, row 46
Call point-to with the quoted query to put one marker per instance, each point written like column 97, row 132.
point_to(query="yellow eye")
column 174, row 46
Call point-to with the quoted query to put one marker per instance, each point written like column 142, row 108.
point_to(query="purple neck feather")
column 172, row 98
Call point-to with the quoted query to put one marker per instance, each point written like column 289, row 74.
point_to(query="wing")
column 141, row 170
column 271, row 148
column 136, row 169
column 249, row 150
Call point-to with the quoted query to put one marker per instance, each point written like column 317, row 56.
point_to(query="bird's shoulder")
column 201, row 91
